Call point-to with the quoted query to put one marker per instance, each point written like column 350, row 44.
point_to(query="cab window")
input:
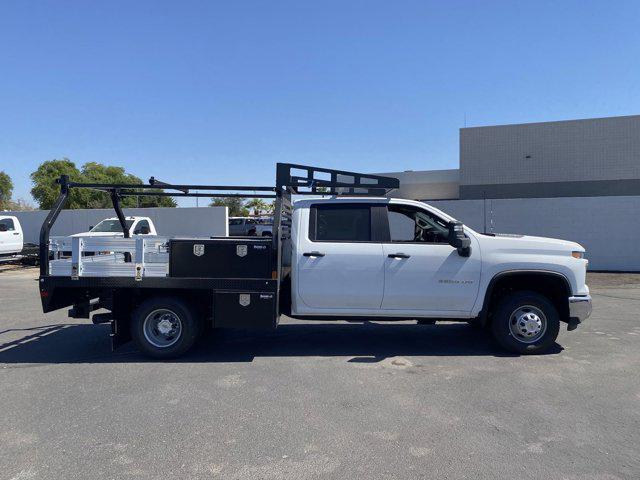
column 409, row 224
column 340, row 223
column 8, row 222
column 142, row 224
column 111, row 226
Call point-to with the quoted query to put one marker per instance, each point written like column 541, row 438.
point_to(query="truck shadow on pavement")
column 364, row 342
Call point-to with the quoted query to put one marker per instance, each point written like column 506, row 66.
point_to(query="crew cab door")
column 11, row 238
column 424, row 275
column 339, row 261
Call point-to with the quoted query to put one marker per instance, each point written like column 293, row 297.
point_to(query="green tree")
column 93, row 172
column 257, row 206
column 236, row 205
column 6, row 190
column 45, row 189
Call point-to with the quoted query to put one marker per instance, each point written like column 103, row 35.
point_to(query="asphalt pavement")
column 316, row 400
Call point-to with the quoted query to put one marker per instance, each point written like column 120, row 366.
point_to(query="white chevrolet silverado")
column 399, row 258
column 355, row 255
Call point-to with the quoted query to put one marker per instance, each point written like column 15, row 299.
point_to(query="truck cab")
column 395, row 258
column 11, row 236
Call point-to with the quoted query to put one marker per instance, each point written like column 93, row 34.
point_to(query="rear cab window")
column 340, row 222
column 142, row 224
column 8, row 222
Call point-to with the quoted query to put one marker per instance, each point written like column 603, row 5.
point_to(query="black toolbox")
column 244, row 310
column 226, row 257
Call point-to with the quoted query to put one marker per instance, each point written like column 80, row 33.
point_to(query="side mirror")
column 3, row 227
column 91, row 227
column 457, row 239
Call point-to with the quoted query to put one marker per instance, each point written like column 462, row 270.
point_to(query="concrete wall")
column 599, row 156
column 432, row 184
column 174, row 222
column 606, row 226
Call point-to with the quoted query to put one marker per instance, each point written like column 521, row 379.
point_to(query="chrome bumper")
column 580, row 308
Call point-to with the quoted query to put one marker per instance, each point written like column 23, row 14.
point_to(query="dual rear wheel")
column 164, row 327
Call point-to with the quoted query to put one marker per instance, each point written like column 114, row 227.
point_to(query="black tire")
column 475, row 324
column 505, row 324
column 178, row 344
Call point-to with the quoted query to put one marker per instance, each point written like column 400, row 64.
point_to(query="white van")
column 11, row 236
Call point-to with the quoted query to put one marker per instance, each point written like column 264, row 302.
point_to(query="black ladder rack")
column 291, row 179
column 307, row 180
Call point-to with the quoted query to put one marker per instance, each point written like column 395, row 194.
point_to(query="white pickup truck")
column 11, row 236
column 355, row 255
column 60, row 246
column 110, row 227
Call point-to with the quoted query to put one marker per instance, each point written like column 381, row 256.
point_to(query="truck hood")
column 528, row 242
column 97, row 234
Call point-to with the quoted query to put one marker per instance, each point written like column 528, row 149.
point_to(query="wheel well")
column 126, row 301
column 553, row 286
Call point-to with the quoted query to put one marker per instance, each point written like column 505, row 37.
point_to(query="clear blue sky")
column 213, row 91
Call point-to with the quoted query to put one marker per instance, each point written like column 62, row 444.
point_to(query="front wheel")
column 525, row 323
column 164, row 327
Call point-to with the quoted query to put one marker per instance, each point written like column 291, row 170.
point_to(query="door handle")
column 398, row 255
column 16, row 233
column 313, row 254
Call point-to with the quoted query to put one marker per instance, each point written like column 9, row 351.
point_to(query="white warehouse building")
column 576, row 180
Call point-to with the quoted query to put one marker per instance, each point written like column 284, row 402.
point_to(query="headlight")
column 577, row 254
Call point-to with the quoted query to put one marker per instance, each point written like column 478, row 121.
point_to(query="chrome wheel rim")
column 527, row 324
column 162, row 328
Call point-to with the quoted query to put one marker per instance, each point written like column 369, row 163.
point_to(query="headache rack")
column 291, row 179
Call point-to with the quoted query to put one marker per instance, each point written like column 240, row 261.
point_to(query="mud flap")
column 120, row 333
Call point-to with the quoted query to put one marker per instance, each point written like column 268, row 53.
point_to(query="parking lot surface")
column 320, row 400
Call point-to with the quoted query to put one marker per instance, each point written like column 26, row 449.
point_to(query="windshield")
column 112, row 226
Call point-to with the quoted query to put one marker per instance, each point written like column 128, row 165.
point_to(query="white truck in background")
column 110, row 227
column 264, row 227
column 11, row 236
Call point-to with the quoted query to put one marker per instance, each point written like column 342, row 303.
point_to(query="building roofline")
column 550, row 122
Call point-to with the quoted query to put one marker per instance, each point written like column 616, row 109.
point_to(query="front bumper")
column 580, row 308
